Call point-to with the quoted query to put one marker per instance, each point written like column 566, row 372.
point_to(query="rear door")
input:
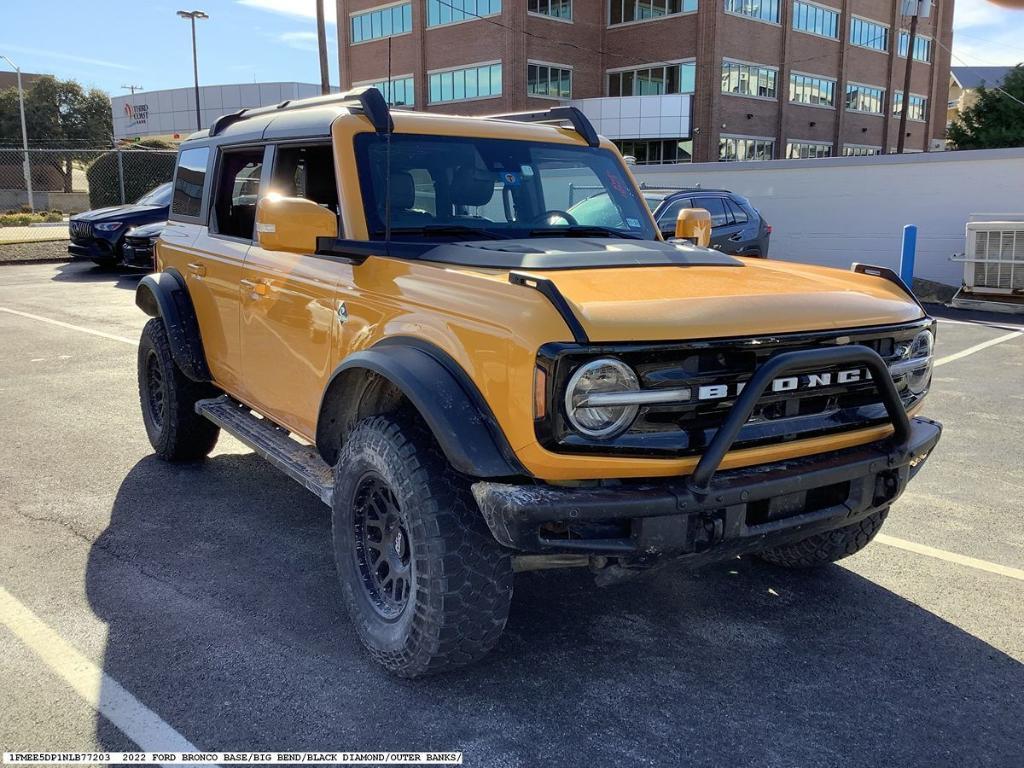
column 288, row 300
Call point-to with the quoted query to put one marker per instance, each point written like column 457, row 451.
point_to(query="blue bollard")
column 908, row 254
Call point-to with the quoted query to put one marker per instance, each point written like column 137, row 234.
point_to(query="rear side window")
column 667, row 219
column 738, row 214
column 716, row 207
column 238, row 188
column 188, row 182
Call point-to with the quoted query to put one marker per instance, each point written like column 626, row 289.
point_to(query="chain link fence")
column 72, row 179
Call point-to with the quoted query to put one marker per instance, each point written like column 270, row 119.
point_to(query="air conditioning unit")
column 994, row 260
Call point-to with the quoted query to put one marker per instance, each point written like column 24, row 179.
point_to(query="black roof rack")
column 368, row 101
column 580, row 122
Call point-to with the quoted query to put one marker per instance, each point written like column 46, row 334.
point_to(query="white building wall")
column 835, row 211
column 173, row 111
column 639, row 117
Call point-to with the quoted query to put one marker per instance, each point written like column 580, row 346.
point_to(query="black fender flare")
column 164, row 295
column 445, row 397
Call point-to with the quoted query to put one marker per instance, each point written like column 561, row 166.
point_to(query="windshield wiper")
column 584, row 230
column 444, row 230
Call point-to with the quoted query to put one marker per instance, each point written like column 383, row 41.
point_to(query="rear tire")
column 168, row 398
column 824, row 548
column 424, row 582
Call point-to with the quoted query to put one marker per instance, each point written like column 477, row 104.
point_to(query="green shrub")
column 142, row 172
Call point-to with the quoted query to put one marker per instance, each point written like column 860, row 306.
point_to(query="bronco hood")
column 626, row 290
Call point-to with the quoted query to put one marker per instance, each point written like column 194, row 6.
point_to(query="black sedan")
column 99, row 235
column 137, row 249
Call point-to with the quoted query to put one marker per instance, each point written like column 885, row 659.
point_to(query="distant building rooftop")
column 970, row 78
column 10, row 79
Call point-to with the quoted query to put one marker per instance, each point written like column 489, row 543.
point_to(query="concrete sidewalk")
column 11, row 235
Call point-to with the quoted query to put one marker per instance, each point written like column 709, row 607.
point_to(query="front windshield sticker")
column 511, row 179
column 633, row 223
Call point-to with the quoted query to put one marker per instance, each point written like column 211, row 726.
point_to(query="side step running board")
column 299, row 461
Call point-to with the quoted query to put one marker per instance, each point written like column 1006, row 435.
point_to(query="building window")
column 382, row 22
column 479, row 82
column 651, row 81
column 559, row 9
column 440, row 12
column 762, row 10
column 859, row 150
column 809, row 89
column 869, row 34
column 399, row 92
column 917, row 109
column 549, row 81
column 732, row 148
column 865, row 98
column 749, row 79
column 626, row 11
column 815, row 19
column 656, row 151
column 802, row 150
column 922, row 46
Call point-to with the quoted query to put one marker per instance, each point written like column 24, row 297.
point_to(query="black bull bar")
column 717, row 513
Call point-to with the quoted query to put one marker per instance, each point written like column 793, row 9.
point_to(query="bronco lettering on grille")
column 802, row 382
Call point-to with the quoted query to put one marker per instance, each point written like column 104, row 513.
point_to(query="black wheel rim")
column 383, row 550
column 155, row 390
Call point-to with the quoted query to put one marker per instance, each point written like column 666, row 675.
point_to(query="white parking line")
column 978, row 347
column 93, row 685
column 70, row 327
column 983, row 324
column 951, row 557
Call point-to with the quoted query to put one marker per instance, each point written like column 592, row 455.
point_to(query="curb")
column 15, row 262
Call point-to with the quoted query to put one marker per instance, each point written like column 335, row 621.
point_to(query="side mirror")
column 694, row 224
column 292, row 224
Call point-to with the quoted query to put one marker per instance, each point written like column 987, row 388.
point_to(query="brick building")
column 667, row 79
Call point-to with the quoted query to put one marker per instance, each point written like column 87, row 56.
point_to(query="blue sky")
column 110, row 43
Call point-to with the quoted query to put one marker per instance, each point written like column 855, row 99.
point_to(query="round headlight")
column 914, row 363
column 590, row 402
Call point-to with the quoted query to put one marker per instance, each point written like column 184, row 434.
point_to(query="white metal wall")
column 835, row 211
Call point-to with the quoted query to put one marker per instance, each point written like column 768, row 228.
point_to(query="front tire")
column 168, row 398
column 423, row 580
column 823, row 548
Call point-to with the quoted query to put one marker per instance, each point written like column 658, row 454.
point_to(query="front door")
column 289, row 309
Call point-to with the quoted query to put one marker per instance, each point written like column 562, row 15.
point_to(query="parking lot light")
column 24, row 136
column 192, row 16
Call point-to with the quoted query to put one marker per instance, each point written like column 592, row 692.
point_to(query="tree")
column 995, row 120
column 58, row 114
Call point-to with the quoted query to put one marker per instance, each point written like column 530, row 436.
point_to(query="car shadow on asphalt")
column 82, row 272
column 218, row 588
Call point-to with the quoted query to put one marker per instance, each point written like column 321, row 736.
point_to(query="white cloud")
column 305, row 9
column 43, row 53
column 985, row 34
column 304, row 41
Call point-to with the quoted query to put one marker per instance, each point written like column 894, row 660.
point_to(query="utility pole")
column 914, row 8
column 192, row 16
column 25, row 165
column 321, row 37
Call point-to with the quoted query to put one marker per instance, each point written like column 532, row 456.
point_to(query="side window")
column 667, row 219
column 188, row 182
column 716, row 207
column 738, row 214
column 307, row 172
column 238, row 187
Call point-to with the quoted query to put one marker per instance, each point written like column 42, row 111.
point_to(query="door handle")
column 737, row 237
column 255, row 287
column 197, row 269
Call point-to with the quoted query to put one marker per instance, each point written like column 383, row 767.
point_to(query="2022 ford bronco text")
column 398, row 310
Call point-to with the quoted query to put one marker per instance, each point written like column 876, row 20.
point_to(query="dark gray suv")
column 736, row 226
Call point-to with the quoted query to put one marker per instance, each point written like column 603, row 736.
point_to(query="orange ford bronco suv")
column 398, row 310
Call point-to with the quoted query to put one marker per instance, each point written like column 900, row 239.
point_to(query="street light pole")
column 25, row 165
column 192, row 16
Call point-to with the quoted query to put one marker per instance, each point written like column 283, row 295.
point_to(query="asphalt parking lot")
column 207, row 593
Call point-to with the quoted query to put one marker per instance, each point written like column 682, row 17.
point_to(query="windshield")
column 157, row 196
column 489, row 188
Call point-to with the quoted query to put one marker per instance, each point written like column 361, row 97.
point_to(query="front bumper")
column 710, row 514
column 742, row 510
column 93, row 249
column 137, row 255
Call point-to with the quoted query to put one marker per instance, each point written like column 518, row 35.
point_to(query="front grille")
column 80, row 230
column 818, row 405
